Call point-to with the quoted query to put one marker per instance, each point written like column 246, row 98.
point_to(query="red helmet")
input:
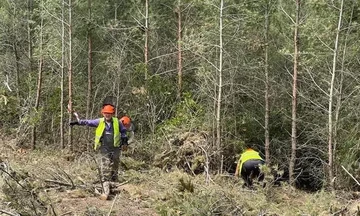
column 125, row 121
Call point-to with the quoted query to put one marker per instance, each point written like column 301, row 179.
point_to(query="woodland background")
column 280, row 74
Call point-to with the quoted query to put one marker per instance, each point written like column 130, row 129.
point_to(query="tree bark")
column 267, row 109
column 39, row 83
column 70, row 76
column 219, row 93
column 146, row 46
column 331, row 95
column 62, row 144
column 294, row 95
column 89, row 90
column 179, row 51
column 29, row 31
column 340, row 91
column 17, row 59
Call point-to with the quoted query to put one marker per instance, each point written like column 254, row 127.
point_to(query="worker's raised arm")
column 86, row 122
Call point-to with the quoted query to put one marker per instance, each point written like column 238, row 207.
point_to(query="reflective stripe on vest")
column 248, row 155
column 100, row 130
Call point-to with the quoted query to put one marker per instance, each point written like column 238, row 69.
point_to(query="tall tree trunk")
column 16, row 55
column 267, row 109
column 146, row 46
column 219, row 93
column 29, row 32
column 62, row 144
column 17, row 59
column 294, row 95
column 39, row 81
column 89, row 90
column 331, row 94
column 179, row 51
column 70, row 75
column 340, row 91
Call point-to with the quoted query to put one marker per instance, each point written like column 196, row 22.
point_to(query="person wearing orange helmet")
column 110, row 139
column 130, row 128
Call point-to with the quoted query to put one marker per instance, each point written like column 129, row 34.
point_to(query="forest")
column 199, row 78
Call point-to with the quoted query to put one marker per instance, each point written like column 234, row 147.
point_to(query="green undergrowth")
column 177, row 193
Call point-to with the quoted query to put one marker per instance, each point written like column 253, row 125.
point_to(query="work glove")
column 124, row 143
column 74, row 123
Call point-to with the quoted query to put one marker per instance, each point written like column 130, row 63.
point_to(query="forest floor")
column 54, row 183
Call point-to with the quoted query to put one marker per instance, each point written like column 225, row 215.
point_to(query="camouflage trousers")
column 109, row 163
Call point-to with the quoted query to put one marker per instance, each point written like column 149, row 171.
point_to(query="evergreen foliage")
column 118, row 69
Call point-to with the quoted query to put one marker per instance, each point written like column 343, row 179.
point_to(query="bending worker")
column 249, row 166
column 130, row 128
column 110, row 138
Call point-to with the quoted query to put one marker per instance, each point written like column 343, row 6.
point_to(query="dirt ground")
column 124, row 201
column 68, row 203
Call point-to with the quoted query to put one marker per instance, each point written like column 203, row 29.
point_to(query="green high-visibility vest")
column 249, row 154
column 100, row 130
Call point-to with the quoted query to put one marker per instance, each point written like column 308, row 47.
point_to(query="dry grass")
column 155, row 192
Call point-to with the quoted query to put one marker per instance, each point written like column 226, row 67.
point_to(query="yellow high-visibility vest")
column 249, row 154
column 100, row 130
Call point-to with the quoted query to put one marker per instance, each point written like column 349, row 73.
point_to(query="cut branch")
column 9, row 213
column 357, row 182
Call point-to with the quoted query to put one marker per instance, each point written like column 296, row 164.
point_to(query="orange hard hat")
column 125, row 120
column 108, row 109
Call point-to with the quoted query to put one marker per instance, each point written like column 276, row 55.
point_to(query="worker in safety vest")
column 110, row 139
column 248, row 166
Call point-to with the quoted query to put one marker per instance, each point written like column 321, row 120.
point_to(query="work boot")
column 103, row 197
column 106, row 192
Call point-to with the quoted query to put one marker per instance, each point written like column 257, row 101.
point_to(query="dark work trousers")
column 110, row 158
column 251, row 170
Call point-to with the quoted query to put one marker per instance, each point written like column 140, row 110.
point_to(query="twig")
column 66, row 213
column 52, row 188
column 9, row 213
column 168, row 141
column 123, row 183
column 342, row 210
column 68, row 177
column 350, row 175
column 206, row 167
column 112, row 205
column 187, row 163
column 14, row 179
column 7, row 83
column 59, row 182
column 53, row 209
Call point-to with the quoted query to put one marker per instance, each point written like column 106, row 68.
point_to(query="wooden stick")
column 350, row 175
column 112, row 205
column 9, row 213
column 58, row 182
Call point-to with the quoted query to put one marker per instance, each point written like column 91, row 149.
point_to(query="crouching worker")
column 110, row 139
column 249, row 167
